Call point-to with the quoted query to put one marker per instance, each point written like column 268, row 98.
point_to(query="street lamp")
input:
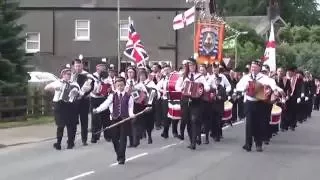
column 236, row 46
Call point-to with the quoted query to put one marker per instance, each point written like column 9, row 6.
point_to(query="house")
column 59, row 30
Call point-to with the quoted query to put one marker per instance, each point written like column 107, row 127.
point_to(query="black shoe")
column 166, row 136
column 121, row 161
column 181, row 137
column 199, row 141
column 149, row 140
column 93, row 141
column 247, row 148
column 57, row 146
column 108, row 139
column 217, row 139
column 259, row 148
column 85, row 143
column 266, row 142
column 192, row 146
column 70, row 146
column 292, row 129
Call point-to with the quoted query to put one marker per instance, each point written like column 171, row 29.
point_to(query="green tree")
column 12, row 58
column 296, row 12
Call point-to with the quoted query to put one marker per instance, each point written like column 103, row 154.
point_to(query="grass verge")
column 28, row 122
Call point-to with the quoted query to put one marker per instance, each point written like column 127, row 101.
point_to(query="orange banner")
column 208, row 42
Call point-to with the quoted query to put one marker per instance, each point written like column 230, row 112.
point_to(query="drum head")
column 173, row 78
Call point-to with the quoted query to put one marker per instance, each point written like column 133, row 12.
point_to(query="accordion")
column 259, row 91
column 192, row 89
column 138, row 96
column 69, row 93
column 209, row 96
column 102, row 89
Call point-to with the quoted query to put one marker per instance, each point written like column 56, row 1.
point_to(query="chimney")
column 273, row 9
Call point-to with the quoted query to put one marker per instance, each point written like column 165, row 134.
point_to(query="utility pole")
column 118, row 23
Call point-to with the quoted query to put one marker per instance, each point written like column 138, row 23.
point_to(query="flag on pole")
column 134, row 47
column 269, row 57
column 184, row 19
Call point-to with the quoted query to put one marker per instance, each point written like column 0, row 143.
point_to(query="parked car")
column 41, row 77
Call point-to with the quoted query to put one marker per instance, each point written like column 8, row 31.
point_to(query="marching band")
column 202, row 98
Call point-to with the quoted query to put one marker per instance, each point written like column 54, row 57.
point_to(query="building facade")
column 59, row 30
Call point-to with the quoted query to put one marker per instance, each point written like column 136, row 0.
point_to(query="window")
column 33, row 42
column 82, row 30
column 124, row 29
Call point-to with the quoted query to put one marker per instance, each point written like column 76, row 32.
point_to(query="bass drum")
column 174, row 110
column 172, row 92
column 227, row 115
column 275, row 115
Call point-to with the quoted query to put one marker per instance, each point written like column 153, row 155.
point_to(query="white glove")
column 94, row 111
column 302, row 94
column 283, row 100
column 298, row 100
column 307, row 98
column 229, row 98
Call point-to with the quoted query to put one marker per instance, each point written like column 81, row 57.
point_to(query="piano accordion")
column 193, row 89
column 102, row 89
column 259, row 91
column 69, row 93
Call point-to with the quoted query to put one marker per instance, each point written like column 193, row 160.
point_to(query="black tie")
column 192, row 77
column 120, row 97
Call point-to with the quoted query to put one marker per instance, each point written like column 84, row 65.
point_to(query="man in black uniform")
column 83, row 104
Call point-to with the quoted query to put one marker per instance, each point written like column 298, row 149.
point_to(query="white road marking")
column 80, row 175
column 167, row 146
column 131, row 158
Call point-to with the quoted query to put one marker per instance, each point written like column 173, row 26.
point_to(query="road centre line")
column 80, row 175
column 131, row 158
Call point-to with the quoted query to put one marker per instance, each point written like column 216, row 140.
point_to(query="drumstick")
column 125, row 120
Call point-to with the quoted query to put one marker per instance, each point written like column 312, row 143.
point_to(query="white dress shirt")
column 108, row 103
column 224, row 81
column 162, row 86
column 198, row 78
column 57, row 86
column 261, row 78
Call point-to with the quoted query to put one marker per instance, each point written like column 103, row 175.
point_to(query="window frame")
column 33, row 41
column 123, row 22
column 76, row 28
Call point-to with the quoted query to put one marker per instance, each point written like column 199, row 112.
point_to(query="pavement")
column 290, row 156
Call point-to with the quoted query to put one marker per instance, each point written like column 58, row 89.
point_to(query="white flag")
column 184, row 19
column 270, row 52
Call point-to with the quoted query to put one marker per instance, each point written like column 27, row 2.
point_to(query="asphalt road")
column 290, row 156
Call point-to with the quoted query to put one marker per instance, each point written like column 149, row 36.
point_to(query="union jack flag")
column 134, row 47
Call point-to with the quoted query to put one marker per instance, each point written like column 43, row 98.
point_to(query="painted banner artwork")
column 208, row 42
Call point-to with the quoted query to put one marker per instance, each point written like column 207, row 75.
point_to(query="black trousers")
column 254, row 123
column 83, row 106
column 65, row 116
column 158, row 114
column 166, row 119
column 317, row 103
column 99, row 121
column 266, row 117
column 71, row 131
column 241, row 108
column 119, row 139
column 292, row 112
column 191, row 115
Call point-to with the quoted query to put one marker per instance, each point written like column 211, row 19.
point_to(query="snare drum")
column 172, row 92
column 227, row 115
column 275, row 115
